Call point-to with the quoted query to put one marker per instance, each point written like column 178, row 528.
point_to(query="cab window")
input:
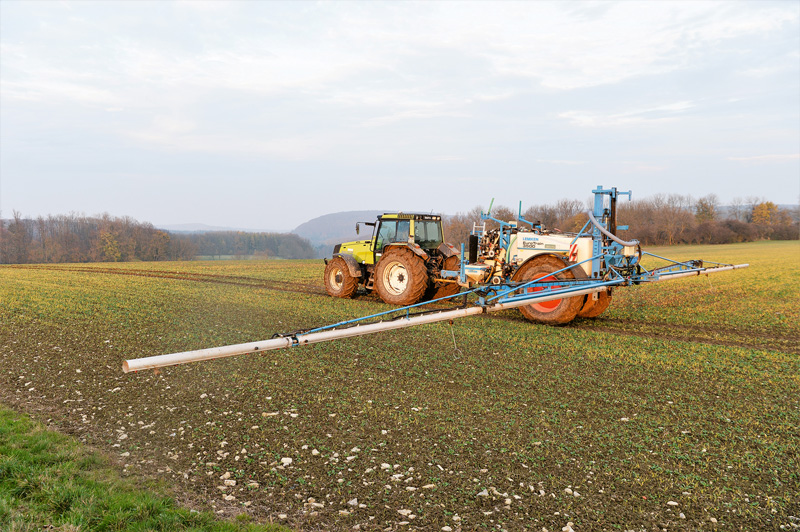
column 427, row 233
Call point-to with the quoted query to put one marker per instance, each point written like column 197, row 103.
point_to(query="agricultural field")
column 677, row 409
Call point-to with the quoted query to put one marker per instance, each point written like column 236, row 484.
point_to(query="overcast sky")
column 263, row 115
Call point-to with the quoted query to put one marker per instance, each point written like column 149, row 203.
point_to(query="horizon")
column 199, row 227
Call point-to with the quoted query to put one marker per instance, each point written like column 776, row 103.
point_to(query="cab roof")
column 410, row 216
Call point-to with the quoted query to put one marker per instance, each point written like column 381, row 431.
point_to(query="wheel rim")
column 545, row 306
column 395, row 278
column 336, row 278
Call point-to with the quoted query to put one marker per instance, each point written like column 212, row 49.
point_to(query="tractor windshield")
column 428, row 233
column 392, row 231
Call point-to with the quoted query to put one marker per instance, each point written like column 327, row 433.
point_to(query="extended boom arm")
column 355, row 328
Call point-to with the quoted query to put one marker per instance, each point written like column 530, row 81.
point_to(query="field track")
column 239, row 280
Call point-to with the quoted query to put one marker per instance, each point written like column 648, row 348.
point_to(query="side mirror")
column 358, row 229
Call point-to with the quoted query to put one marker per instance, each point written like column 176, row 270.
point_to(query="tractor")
column 402, row 261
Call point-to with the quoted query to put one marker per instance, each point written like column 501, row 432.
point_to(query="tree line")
column 78, row 238
column 659, row 220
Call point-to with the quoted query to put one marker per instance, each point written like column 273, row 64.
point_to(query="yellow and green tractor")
column 402, row 261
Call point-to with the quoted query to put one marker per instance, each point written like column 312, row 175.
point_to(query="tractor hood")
column 351, row 247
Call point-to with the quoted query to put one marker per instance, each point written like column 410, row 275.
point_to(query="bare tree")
column 566, row 210
column 458, row 227
column 737, row 209
column 19, row 240
column 751, row 203
column 3, row 240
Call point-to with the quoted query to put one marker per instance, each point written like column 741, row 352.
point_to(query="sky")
column 263, row 115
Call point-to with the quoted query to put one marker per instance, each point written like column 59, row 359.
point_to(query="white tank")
column 526, row 245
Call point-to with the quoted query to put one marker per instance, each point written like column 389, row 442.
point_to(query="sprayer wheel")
column 594, row 307
column 338, row 281
column 401, row 277
column 556, row 312
column 438, row 288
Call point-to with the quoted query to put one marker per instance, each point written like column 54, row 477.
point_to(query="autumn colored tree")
column 763, row 213
column 774, row 223
column 109, row 247
column 706, row 209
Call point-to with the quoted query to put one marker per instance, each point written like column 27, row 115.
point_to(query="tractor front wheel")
column 401, row 277
column 557, row 312
column 338, row 281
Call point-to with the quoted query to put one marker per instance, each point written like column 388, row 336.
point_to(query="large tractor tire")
column 441, row 288
column 401, row 277
column 592, row 307
column 338, row 281
column 556, row 312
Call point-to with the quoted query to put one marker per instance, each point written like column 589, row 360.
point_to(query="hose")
column 608, row 234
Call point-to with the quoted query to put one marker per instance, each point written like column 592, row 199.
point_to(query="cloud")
column 659, row 113
column 288, row 148
column 626, row 40
column 58, row 90
column 772, row 158
column 560, row 162
column 335, row 51
column 632, row 167
column 29, row 77
column 413, row 114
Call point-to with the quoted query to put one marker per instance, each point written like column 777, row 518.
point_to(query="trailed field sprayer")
column 551, row 277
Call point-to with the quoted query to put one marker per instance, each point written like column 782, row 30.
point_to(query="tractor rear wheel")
column 441, row 288
column 401, row 277
column 338, row 281
column 557, row 312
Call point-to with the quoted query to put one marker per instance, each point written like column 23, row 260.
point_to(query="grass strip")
column 50, row 481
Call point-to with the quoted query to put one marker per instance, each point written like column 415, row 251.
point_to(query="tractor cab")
column 423, row 231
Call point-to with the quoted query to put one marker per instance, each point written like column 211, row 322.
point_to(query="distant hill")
column 336, row 227
column 325, row 231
